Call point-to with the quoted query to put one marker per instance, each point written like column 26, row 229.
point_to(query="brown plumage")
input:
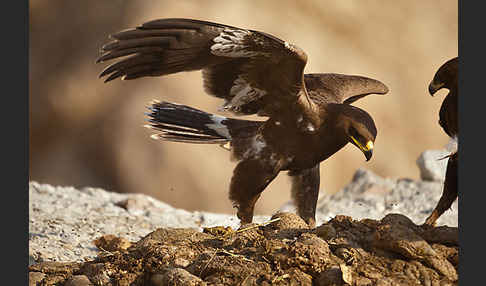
column 446, row 77
column 309, row 116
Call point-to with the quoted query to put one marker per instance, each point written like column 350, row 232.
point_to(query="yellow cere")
column 369, row 145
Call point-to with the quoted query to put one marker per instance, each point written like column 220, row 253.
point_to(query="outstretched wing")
column 253, row 71
column 340, row 88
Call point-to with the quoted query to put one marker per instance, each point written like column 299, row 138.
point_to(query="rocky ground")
column 367, row 234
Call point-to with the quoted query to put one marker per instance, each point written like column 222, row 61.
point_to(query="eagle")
column 446, row 77
column 307, row 117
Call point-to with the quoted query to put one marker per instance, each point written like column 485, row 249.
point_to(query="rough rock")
column 370, row 196
column 74, row 233
column 35, row 278
column 64, row 222
column 390, row 251
column 432, row 165
column 78, row 280
column 175, row 277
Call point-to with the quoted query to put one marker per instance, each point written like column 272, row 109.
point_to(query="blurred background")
column 86, row 133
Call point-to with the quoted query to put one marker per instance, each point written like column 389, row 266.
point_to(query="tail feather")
column 180, row 123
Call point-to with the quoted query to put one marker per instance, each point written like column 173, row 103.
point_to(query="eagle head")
column 360, row 130
column 445, row 77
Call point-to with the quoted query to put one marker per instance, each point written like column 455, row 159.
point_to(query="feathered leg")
column 449, row 193
column 305, row 191
column 250, row 178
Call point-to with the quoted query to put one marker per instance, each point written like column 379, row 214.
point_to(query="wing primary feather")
column 121, row 53
column 113, row 76
column 138, row 33
column 130, row 62
column 167, row 46
column 181, row 23
column 134, row 43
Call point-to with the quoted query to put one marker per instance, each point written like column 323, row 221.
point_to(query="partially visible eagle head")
column 445, row 77
column 359, row 128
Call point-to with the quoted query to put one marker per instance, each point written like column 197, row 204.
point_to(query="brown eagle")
column 446, row 77
column 309, row 116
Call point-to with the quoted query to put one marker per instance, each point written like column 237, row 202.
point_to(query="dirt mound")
column 343, row 251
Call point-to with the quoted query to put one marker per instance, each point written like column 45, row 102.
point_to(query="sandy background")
column 87, row 133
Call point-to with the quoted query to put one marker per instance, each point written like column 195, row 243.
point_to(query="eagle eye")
column 354, row 133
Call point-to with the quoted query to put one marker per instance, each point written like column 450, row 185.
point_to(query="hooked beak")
column 368, row 154
column 366, row 149
column 434, row 87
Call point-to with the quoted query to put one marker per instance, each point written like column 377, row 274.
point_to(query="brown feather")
column 340, row 88
column 310, row 117
column 447, row 77
column 240, row 66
